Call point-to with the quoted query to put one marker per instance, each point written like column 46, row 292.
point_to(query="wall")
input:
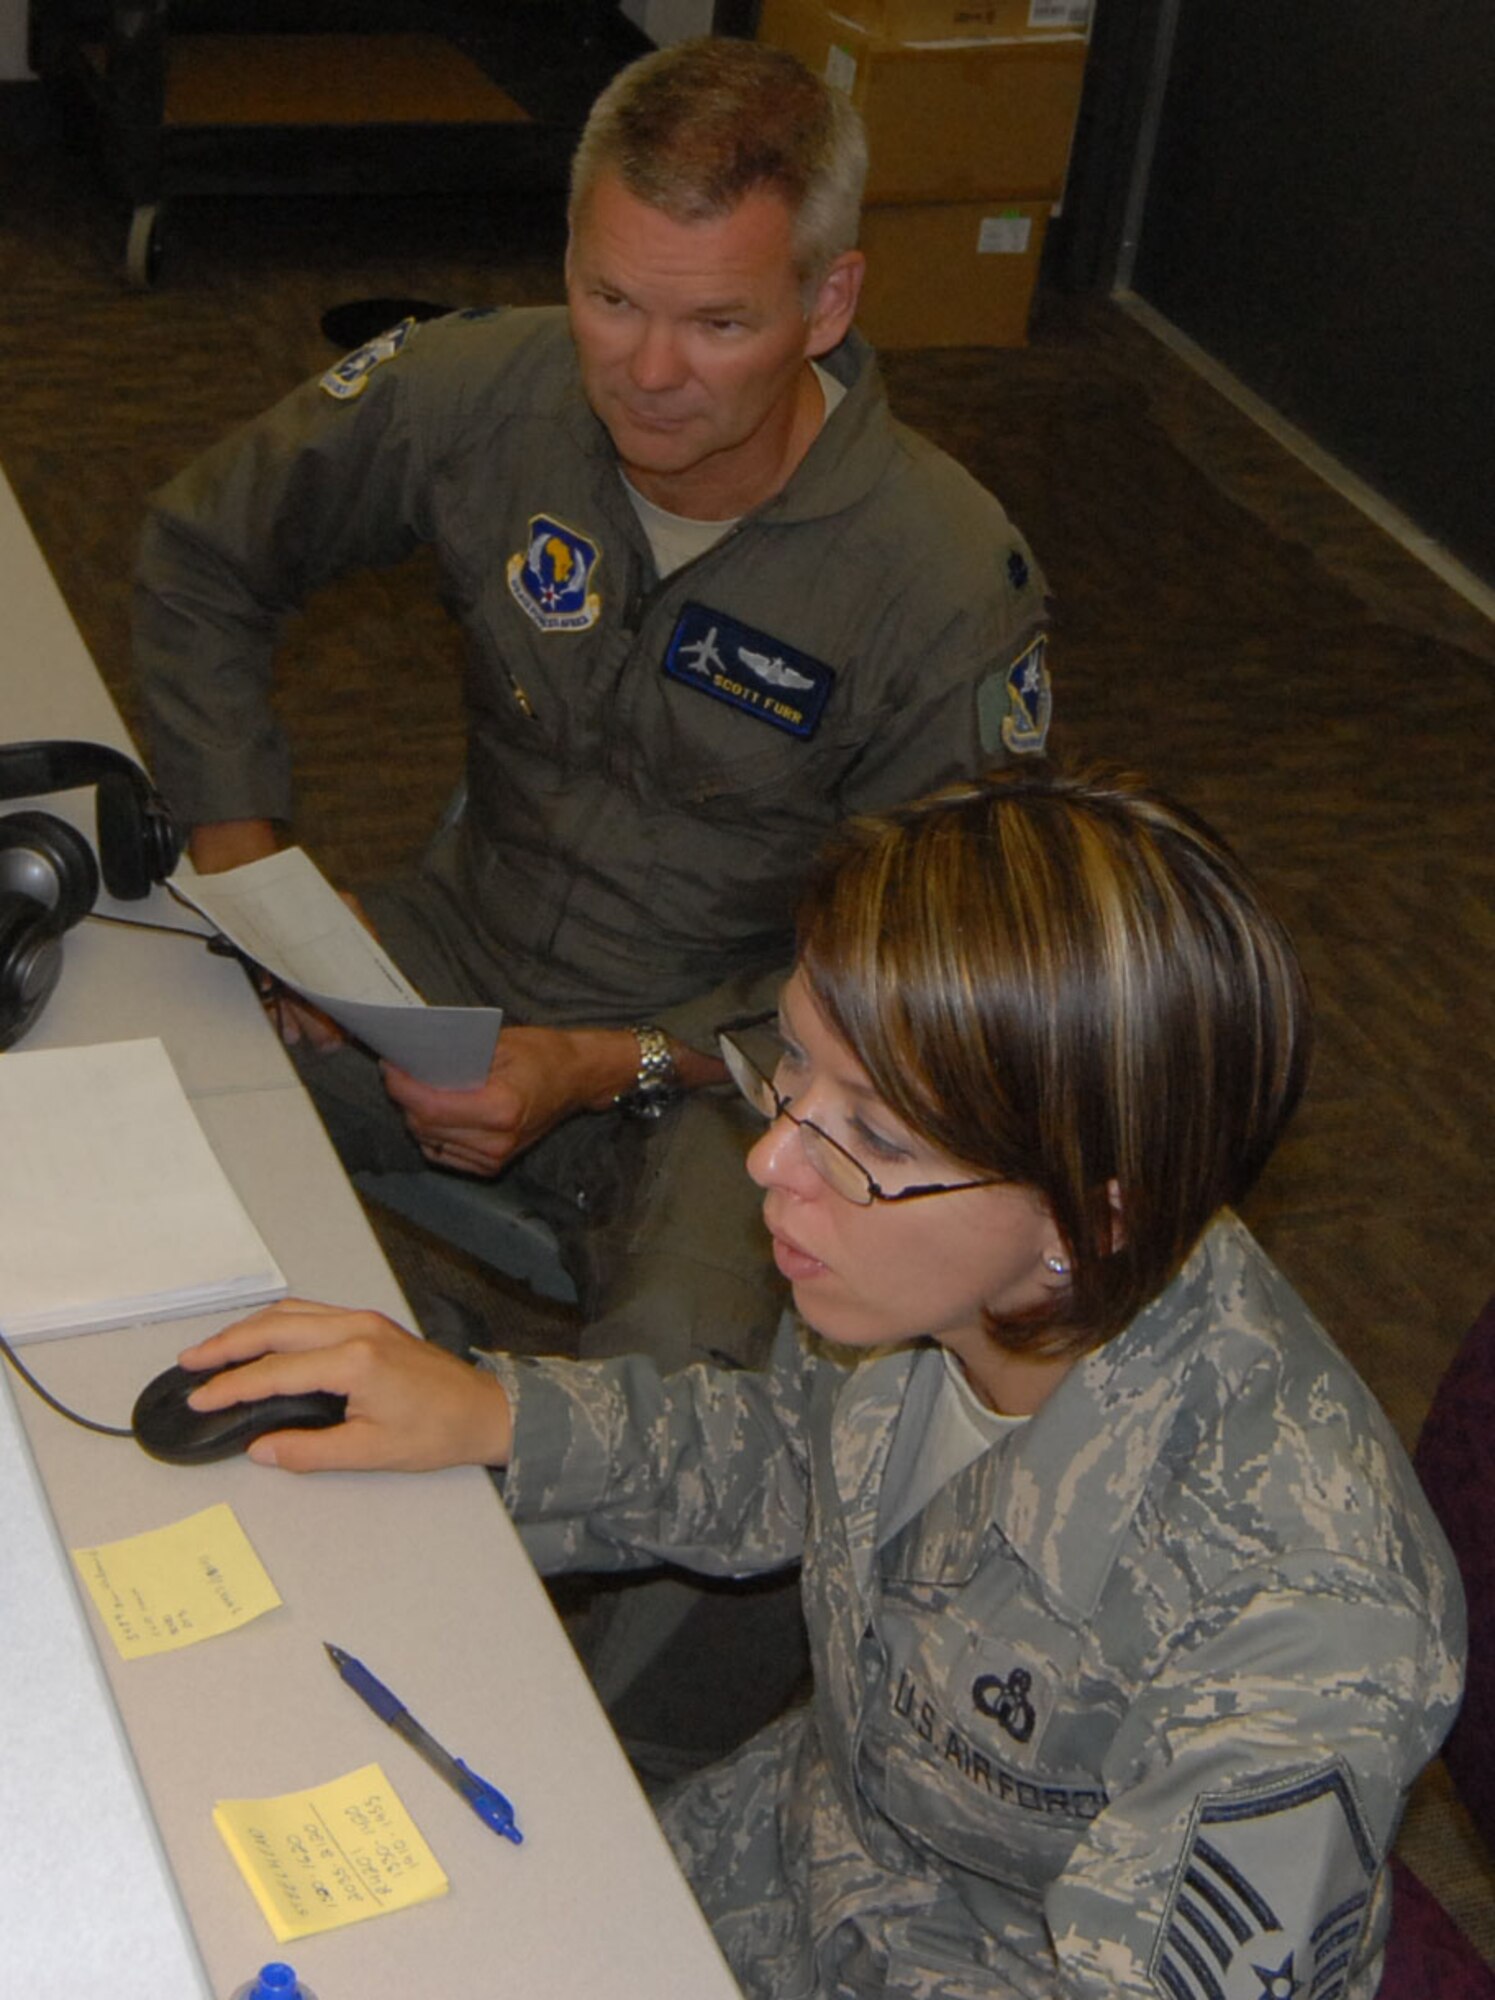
column 12, row 40
column 1320, row 217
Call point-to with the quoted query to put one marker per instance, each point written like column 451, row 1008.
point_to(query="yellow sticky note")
column 331, row 1856
column 178, row 1584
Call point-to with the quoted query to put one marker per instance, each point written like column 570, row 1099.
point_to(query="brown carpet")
column 1222, row 621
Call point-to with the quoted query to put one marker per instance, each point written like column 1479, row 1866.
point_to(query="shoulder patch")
column 749, row 670
column 349, row 377
column 1270, row 1896
column 550, row 578
column 1015, row 705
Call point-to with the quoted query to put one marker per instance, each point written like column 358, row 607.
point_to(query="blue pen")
column 486, row 1800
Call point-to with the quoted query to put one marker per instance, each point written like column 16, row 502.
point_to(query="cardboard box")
column 946, row 121
column 951, row 274
column 939, row 20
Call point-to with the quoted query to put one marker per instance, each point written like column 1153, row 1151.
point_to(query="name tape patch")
column 750, row 670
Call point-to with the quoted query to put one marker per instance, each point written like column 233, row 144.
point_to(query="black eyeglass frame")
column 726, row 1040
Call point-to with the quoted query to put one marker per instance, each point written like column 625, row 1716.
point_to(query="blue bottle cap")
column 276, row 1982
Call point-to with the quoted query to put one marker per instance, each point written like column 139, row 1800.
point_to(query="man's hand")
column 411, row 1407
column 539, row 1076
column 296, row 1020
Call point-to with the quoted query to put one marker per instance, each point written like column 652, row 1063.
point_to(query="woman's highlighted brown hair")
column 1067, row 980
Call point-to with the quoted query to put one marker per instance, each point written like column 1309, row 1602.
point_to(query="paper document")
column 330, row 1856
column 113, row 1206
column 283, row 913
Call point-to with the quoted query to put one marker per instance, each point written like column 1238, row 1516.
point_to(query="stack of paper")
column 113, row 1206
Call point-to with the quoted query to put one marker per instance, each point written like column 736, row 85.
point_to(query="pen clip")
column 489, row 1803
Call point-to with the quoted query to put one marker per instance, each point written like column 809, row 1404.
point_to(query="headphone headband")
column 29, row 770
column 138, row 842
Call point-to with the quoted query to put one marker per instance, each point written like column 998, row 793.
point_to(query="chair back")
column 1455, row 1460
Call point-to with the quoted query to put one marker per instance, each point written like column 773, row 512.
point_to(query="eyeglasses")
column 838, row 1168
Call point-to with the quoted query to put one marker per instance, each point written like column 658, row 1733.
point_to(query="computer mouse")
column 170, row 1430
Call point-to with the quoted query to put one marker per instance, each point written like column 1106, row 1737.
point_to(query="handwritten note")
column 319, row 1859
column 178, row 1584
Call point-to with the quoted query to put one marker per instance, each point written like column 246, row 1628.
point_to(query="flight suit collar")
column 848, row 458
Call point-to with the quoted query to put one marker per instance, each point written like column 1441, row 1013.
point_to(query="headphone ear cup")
column 46, row 861
column 30, row 964
column 125, row 846
column 164, row 840
column 48, row 880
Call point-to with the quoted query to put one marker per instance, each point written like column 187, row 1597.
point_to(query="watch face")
column 655, row 1087
column 649, row 1099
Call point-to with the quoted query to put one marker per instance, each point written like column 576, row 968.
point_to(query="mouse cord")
column 145, row 924
column 88, row 1424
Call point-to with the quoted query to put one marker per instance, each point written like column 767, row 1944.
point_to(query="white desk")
column 422, row 1577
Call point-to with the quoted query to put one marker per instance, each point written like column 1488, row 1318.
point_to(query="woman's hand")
column 411, row 1407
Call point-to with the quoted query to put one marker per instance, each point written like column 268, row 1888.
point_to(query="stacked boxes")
column 970, row 107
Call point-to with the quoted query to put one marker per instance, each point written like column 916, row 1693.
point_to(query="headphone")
column 49, row 878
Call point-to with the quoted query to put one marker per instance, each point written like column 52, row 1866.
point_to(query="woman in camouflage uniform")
column 1131, row 1627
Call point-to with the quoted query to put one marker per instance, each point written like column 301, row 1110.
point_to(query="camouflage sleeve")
column 615, row 1465
column 1254, row 1791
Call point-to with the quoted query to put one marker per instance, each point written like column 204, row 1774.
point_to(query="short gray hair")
column 694, row 128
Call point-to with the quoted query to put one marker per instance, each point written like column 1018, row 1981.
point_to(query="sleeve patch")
column 1270, row 1896
column 1015, row 704
column 349, row 377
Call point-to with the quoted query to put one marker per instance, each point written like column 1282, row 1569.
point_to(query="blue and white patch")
column 551, row 577
column 1015, row 707
column 349, row 377
column 1271, row 1896
column 751, row 670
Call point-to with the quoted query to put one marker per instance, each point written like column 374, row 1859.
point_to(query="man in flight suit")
column 715, row 599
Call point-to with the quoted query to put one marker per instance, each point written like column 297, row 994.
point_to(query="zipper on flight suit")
column 641, row 602
column 526, row 707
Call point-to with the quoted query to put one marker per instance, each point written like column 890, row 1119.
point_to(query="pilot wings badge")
column 751, row 671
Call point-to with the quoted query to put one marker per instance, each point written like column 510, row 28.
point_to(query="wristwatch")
column 656, row 1086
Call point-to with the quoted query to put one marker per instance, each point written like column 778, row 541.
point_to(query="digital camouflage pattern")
column 1130, row 1707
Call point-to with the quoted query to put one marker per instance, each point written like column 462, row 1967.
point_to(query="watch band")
column 657, row 1084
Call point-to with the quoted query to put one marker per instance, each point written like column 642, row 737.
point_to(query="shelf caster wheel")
column 143, row 247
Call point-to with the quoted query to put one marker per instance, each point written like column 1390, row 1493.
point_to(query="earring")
column 1058, row 1266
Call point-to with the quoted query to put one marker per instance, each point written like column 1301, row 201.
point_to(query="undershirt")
column 676, row 539
column 959, row 1431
